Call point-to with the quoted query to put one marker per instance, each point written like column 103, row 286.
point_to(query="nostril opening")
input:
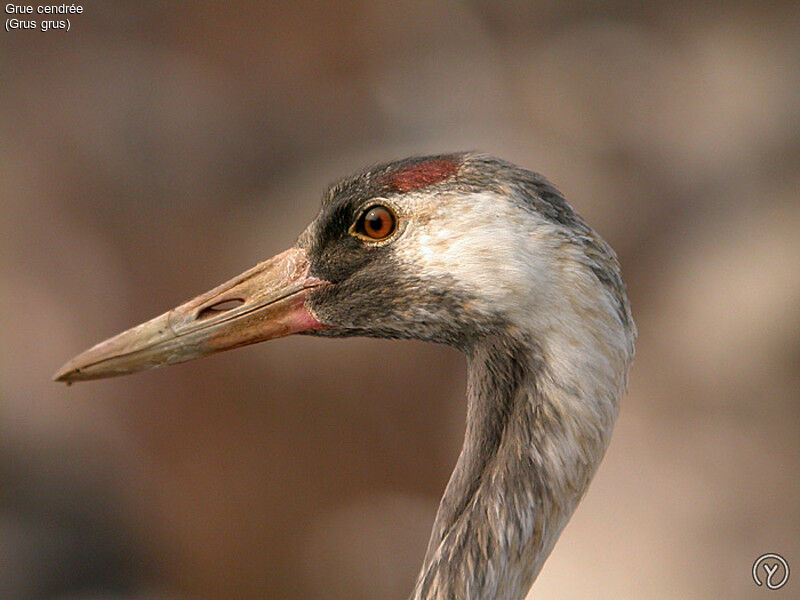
column 220, row 307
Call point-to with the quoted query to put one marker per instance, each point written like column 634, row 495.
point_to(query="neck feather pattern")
column 535, row 434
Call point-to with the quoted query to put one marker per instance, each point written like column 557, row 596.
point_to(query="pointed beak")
column 266, row 302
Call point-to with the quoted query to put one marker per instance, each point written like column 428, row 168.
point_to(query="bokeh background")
column 155, row 150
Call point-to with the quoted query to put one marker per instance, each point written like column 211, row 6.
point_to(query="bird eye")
column 376, row 223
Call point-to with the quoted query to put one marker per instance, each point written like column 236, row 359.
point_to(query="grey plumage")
column 544, row 379
column 490, row 259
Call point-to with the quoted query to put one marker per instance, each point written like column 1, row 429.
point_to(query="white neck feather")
column 542, row 400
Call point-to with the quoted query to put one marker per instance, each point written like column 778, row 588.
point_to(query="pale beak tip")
column 72, row 370
column 66, row 374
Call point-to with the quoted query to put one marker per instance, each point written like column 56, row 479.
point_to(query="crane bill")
column 263, row 303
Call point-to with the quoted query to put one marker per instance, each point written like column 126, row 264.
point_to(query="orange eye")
column 377, row 223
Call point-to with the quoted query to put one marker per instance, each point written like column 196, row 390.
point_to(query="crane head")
column 441, row 248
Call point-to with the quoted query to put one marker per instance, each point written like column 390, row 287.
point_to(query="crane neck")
column 536, row 432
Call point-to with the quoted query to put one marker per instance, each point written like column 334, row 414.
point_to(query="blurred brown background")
column 153, row 151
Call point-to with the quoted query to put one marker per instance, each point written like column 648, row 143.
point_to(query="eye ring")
column 376, row 223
